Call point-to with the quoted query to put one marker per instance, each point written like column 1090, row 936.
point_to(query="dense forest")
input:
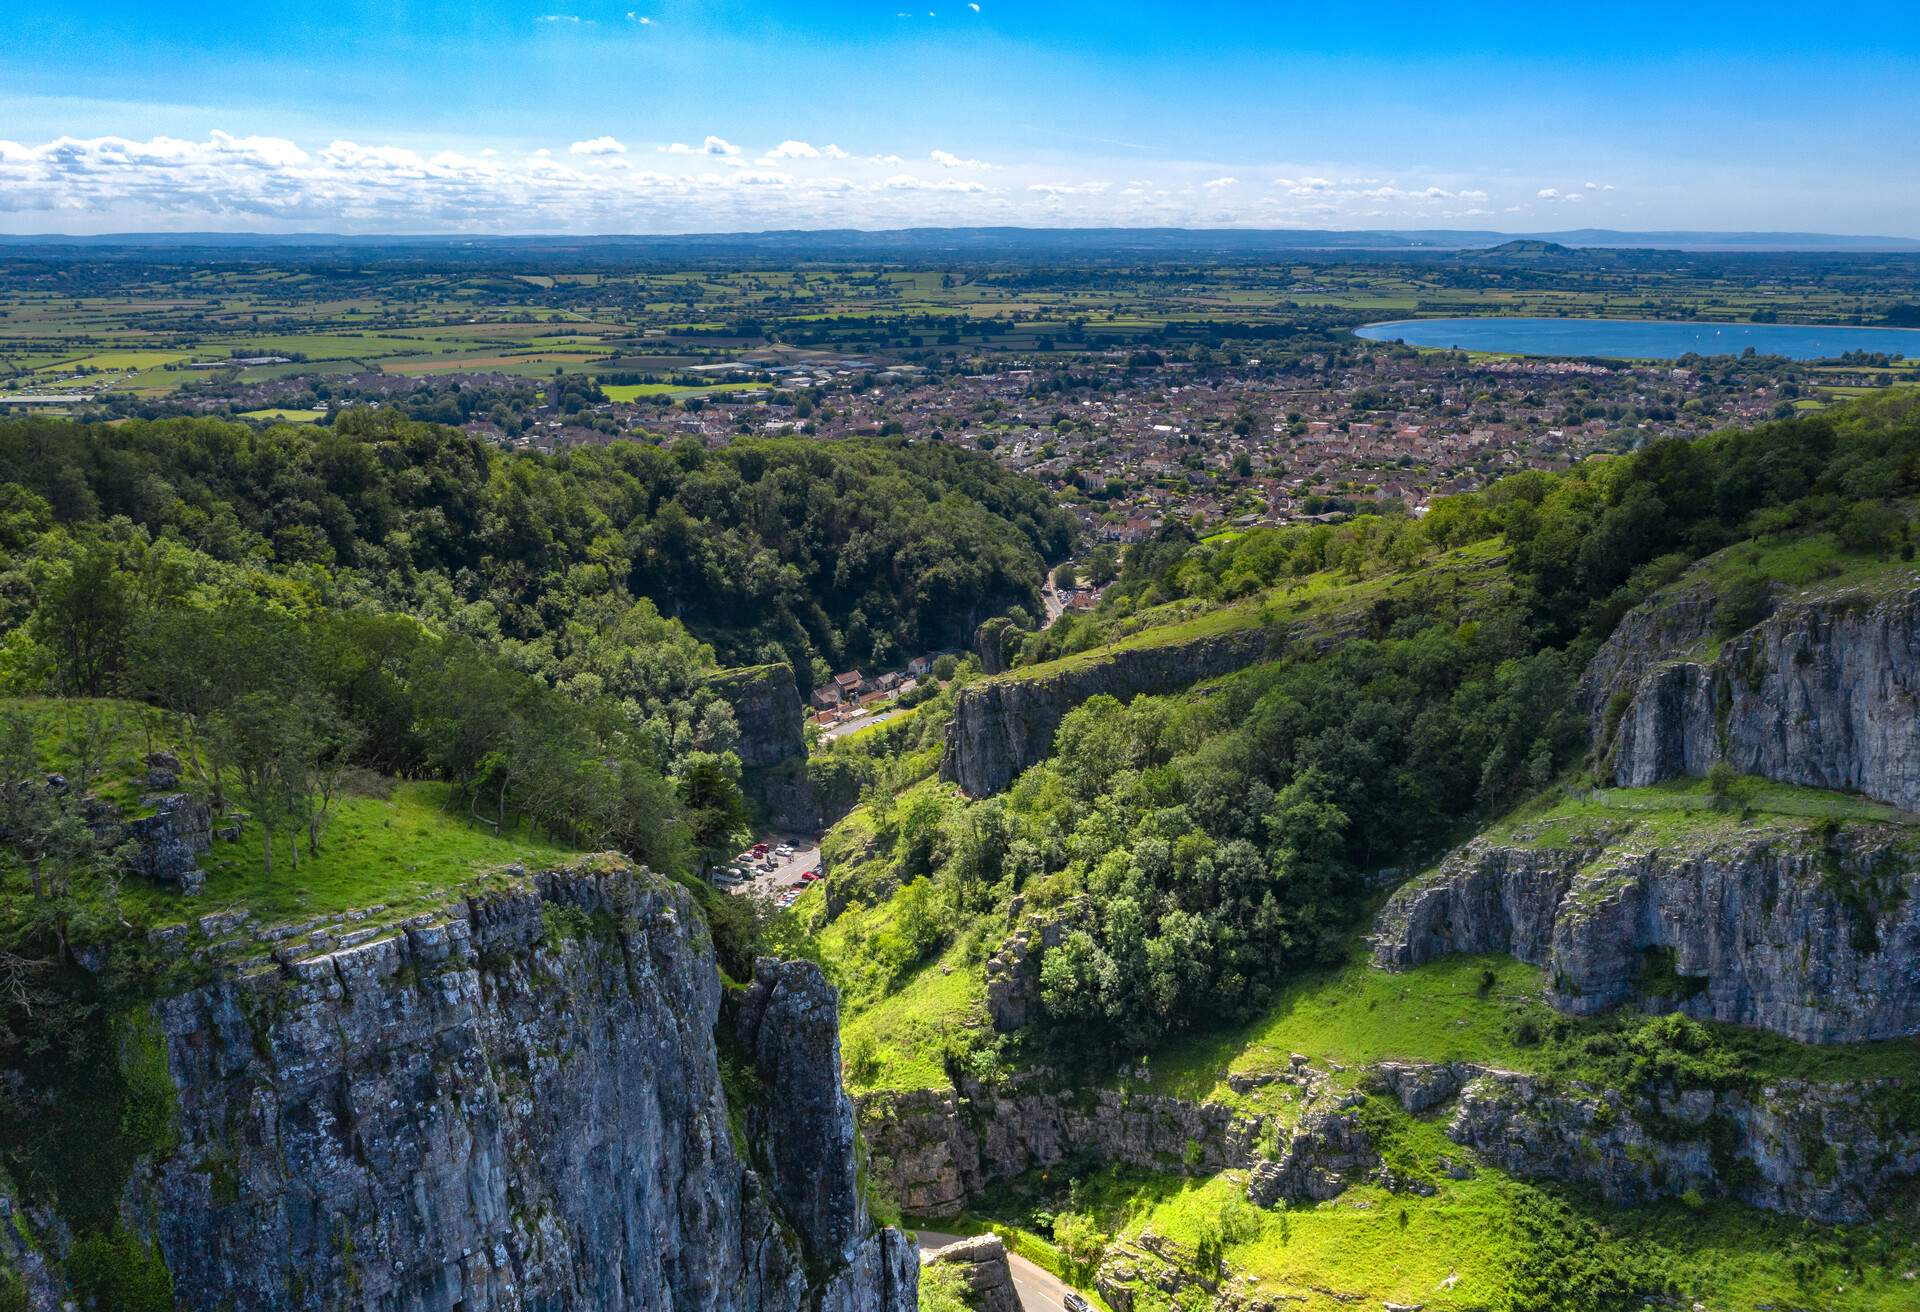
column 849, row 553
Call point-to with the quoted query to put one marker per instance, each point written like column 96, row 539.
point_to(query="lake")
column 1643, row 339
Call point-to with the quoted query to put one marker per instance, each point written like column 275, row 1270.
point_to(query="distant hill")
column 1524, row 248
column 976, row 243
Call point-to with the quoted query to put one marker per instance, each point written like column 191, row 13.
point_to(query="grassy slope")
column 401, row 846
column 403, row 851
column 1370, row 1246
column 1323, row 600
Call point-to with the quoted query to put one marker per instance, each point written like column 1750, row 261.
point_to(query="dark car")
column 1075, row 1303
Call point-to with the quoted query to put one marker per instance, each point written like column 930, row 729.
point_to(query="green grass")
column 1804, row 561
column 404, row 851
column 1467, row 1008
column 1321, row 601
column 290, row 416
column 1461, row 1248
column 1684, row 811
column 631, row 391
column 909, row 1028
column 1356, row 1015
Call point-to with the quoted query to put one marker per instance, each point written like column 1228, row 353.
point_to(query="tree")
column 265, row 741
column 944, row 666
column 1103, row 564
column 711, row 804
column 85, row 615
column 327, row 744
column 1063, row 576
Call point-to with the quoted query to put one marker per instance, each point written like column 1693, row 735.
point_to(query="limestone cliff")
column 1832, row 1151
column 1811, row 934
column 766, row 707
column 1826, row 692
column 1003, row 725
column 512, row 1104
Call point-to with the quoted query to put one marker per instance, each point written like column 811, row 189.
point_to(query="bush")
column 1743, row 603
column 121, row 1273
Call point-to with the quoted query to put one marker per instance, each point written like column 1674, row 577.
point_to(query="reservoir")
column 1643, row 339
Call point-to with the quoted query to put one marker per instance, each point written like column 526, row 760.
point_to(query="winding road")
column 1040, row 1290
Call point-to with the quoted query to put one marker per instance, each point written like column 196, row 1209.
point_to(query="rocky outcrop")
column 1013, row 972
column 1825, row 692
column 806, row 795
column 168, row 843
column 766, row 707
column 1001, row 726
column 982, row 1261
column 1327, row 1151
column 514, row 1103
column 1815, row 936
column 788, row 1024
column 934, row 1150
column 1173, row 1275
column 1834, row 1152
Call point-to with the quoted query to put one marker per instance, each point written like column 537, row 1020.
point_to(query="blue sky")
column 688, row 115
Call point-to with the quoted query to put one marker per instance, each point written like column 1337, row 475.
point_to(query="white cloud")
column 635, row 16
column 233, row 180
column 711, row 146
column 974, row 7
column 1548, row 193
column 565, row 20
column 909, row 182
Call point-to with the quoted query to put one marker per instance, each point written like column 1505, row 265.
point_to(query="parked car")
column 810, row 876
column 1075, row 1303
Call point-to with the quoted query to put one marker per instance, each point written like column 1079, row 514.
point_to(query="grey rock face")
column 1827, row 1151
column 513, row 1106
column 766, row 706
column 1826, row 692
column 1816, row 938
column 168, row 844
column 983, row 1263
column 1013, row 972
column 936, row 1149
column 802, row 1125
column 1002, row 726
column 1327, row 1151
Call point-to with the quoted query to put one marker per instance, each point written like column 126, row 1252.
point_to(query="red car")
column 810, row 876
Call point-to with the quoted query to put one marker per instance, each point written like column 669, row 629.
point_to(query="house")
column 889, row 681
column 850, row 683
column 920, row 666
column 872, row 699
column 825, row 697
